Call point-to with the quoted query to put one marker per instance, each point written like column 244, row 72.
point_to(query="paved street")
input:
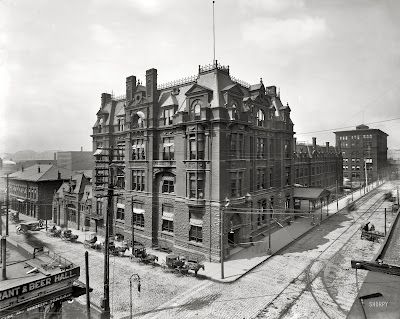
column 267, row 289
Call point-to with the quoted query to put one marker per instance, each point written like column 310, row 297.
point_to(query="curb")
column 285, row 246
column 25, row 249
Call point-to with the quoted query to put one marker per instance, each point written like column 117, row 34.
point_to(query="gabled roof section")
column 42, row 172
column 256, row 87
column 234, row 89
column 168, row 99
column 196, row 88
column 87, row 193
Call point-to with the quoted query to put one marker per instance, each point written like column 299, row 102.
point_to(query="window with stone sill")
column 196, row 234
column 120, row 213
column 260, row 118
column 138, row 149
column 167, row 226
column 168, row 148
column 196, row 146
column 138, row 220
column 138, row 180
column 168, row 116
column 168, row 186
column 195, row 111
column 196, row 185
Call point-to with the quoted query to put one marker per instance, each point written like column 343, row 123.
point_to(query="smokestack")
column 55, row 156
column 327, row 146
column 314, row 142
column 58, row 175
column 81, row 148
column 38, row 169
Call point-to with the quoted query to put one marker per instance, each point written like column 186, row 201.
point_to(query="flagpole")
column 213, row 33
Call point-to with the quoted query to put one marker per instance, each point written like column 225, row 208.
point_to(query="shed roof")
column 310, row 193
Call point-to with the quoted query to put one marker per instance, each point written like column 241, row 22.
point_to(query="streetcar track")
column 308, row 274
column 361, row 201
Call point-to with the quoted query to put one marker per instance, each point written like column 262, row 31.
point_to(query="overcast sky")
column 337, row 63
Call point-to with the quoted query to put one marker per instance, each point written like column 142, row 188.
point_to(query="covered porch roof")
column 310, row 193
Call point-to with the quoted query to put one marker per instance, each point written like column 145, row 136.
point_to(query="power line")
column 346, row 127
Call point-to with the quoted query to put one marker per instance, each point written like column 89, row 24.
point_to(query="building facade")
column 31, row 190
column 318, row 166
column 190, row 156
column 72, row 203
column 364, row 153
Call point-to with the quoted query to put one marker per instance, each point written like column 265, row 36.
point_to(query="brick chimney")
column 130, row 87
column 105, row 98
column 151, row 85
column 58, row 175
column 38, row 169
column 314, row 142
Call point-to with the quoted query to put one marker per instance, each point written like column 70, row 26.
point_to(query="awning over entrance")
column 310, row 193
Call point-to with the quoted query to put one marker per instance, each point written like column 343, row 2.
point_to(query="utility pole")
column 366, row 176
column 87, row 284
column 7, row 203
column 110, row 194
column 133, row 229
column 337, row 199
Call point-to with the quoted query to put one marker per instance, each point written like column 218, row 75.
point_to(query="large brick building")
column 318, row 166
column 182, row 149
column 31, row 189
column 364, row 152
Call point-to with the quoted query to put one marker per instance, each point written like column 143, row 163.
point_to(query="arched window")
column 138, row 119
column 195, row 110
column 260, row 118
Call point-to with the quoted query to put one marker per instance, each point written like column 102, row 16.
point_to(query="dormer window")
column 100, row 125
column 195, row 110
column 120, row 123
column 168, row 115
column 233, row 113
column 260, row 118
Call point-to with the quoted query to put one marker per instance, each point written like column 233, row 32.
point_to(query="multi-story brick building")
column 318, row 166
column 72, row 203
column 364, row 152
column 182, row 149
column 31, row 189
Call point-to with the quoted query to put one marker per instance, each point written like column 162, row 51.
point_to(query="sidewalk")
column 248, row 258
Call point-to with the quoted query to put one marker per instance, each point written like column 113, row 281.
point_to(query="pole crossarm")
column 376, row 267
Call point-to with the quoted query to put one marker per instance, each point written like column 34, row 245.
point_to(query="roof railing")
column 183, row 81
column 240, row 82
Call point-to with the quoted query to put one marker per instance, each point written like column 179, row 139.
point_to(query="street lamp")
column 135, row 277
column 222, row 235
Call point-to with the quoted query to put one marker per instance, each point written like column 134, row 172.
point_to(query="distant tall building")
column 75, row 160
column 191, row 154
column 364, row 152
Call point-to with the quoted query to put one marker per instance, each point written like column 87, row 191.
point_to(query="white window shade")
column 196, row 222
column 168, row 216
column 138, row 211
column 120, row 205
